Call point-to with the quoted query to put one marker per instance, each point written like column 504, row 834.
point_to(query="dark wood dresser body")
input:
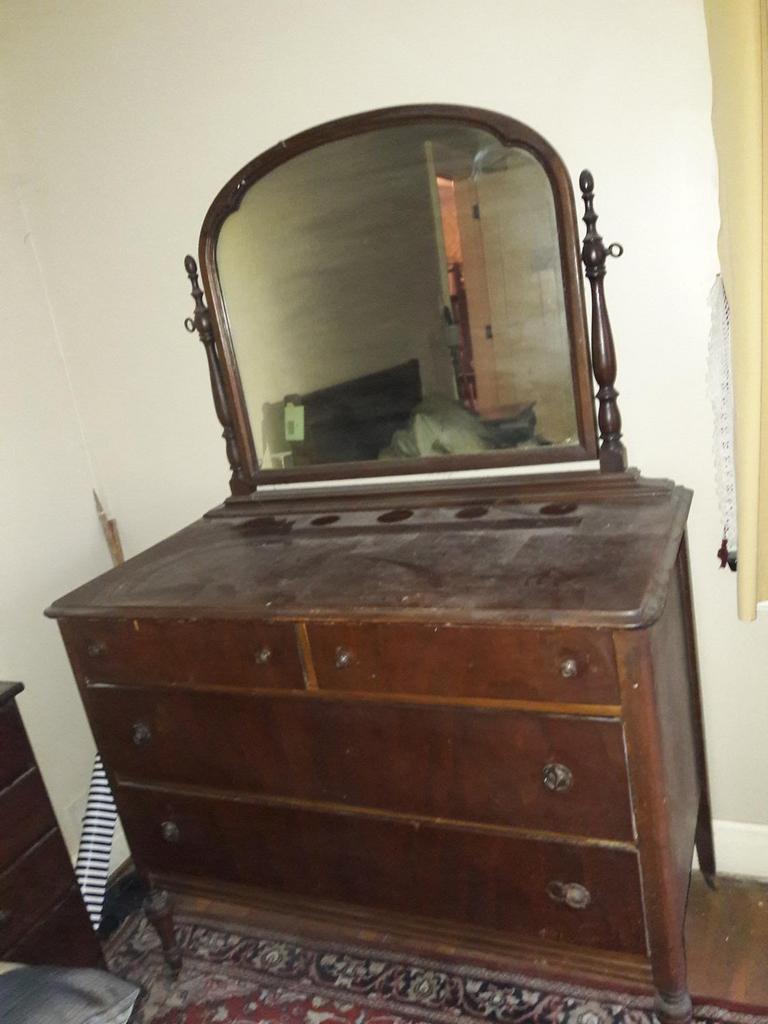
column 474, row 711
column 42, row 916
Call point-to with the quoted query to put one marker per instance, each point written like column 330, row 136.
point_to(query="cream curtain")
column 738, row 49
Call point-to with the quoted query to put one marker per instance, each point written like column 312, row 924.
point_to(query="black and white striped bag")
column 92, row 868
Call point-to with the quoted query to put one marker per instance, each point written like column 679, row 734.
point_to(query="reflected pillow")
column 438, row 426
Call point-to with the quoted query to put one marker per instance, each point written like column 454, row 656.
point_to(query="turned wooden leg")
column 705, row 845
column 159, row 910
column 705, row 842
column 674, row 1007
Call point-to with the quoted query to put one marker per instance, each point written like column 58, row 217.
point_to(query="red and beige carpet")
column 240, row 978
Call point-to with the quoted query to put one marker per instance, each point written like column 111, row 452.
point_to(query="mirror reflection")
column 399, row 294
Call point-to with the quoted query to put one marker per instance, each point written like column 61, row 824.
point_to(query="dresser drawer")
column 490, row 880
column 25, row 816
column 490, row 765
column 201, row 652
column 565, row 665
column 15, row 753
column 64, row 937
column 31, row 887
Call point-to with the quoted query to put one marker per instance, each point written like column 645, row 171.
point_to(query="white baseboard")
column 741, row 849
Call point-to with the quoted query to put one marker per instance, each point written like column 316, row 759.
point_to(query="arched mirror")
column 399, row 291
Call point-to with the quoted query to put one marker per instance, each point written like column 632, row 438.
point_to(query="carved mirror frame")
column 213, row 326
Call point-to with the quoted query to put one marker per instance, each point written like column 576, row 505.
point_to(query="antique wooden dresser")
column 42, row 916
column 447, row 705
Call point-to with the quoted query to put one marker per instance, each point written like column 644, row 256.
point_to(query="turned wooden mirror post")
column 202, row 323
column 613, row 454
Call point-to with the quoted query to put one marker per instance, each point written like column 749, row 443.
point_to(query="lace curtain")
column 737, row 31
column 721, row 399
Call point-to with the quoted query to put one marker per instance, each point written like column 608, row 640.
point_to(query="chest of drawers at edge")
column 42, row 916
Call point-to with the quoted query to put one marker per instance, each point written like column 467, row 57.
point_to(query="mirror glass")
column 399, row 294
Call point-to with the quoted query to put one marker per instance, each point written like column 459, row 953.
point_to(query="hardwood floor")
column 726, row 934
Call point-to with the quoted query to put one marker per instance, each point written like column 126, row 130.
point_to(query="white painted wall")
column 49, row 536
column 127, row 118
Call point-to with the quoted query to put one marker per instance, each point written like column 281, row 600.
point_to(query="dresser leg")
column 673, row 1007
column 159, row 910
column 705, row 846
column 705, row 843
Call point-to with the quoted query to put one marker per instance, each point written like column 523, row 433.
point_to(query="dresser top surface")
column 603, row 560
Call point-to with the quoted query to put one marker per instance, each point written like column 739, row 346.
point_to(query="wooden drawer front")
column 25, row 816
column 31, row 887
column 485, row 765
column 466, row 661
column 64, row 938
column 492, row 881
column 209, row 653
column 15, row 753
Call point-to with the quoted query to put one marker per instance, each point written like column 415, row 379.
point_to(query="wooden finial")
column 613, row 455
column 201, row 319
column 201, row 322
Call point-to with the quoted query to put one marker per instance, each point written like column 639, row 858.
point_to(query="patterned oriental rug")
column 237, row 978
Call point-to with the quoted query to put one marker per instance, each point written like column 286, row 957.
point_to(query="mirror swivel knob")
column 263, row 655
column 571, row 893
column 557, row 777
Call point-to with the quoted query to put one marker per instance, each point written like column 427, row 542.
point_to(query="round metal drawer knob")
column 141, row 734
column 343, row 657
column 263, row 655
column 571, row 893
column 169, row 830
column 96, row 648
column 5, row 917
column 568, row 668
column 557, row 777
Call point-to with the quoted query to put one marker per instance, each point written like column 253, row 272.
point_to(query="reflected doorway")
column 457, row 314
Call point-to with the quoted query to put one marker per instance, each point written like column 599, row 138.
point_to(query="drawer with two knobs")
column 179, row 652
column 486, row 765
column 556, row 891
column 475, row 662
